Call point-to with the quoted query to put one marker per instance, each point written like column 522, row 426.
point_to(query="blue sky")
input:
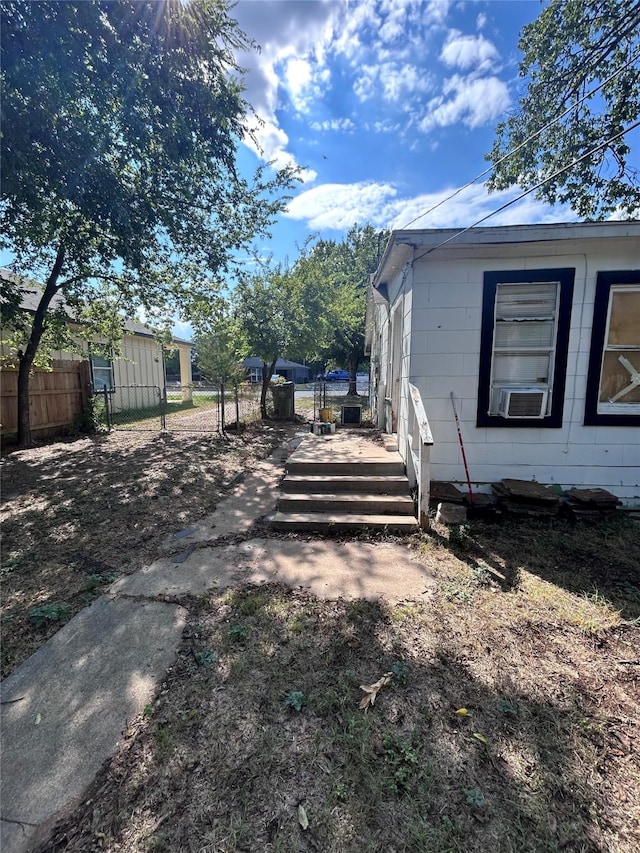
column 388, row 105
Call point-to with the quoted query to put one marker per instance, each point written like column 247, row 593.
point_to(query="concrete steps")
column 323, row 484
column 352, row 502
column 345, row 483
column 343, row 522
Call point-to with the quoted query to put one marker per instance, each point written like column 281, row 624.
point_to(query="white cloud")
column 293, row 38
column 391, row 81
column 344, row 125
column 475, row 102
column 384, row 126
column 299, row 40
column 305, row 83
column 182, row 329
column 481, row 21
column 468, row 52
column 339, row 206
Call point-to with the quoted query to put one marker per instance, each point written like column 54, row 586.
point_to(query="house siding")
column 443, row 333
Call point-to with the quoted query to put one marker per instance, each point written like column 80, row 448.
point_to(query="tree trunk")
column 353, row 368
column 267, row 373
column 26, row 358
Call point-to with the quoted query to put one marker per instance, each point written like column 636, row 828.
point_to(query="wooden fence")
column 57, row 398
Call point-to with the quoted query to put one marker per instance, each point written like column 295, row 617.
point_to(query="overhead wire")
column 525, row 142
column 531, row 189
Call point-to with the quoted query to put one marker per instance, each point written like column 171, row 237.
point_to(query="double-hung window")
column 101, row 373
column 613, row 379
column 525, row 332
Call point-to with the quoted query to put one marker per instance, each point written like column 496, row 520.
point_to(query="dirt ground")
column 507, row 696
column 77, row 514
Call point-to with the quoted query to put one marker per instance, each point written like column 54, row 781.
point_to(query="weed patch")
column 269, row 749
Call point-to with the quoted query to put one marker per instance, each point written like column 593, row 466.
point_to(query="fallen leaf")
column 372, row 690
column 38, row 719
column 462, row 712
column 302, row 818
column 553, row 823
column 481, row 738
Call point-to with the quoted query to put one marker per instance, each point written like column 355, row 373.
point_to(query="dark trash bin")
column 283, row 401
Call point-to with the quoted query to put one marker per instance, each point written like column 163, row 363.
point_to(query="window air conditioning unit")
column 523, row 402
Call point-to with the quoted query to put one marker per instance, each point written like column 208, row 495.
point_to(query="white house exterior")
column 535, row 330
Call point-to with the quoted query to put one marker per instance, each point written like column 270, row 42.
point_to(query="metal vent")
column 351, row 415
column 523, row 402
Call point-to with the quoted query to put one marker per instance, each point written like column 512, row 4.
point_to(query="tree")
column 571, row 48
column 119, row 166
column 274, row 319
column 339, row 272
column 219, row 349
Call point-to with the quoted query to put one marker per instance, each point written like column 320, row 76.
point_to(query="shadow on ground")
column 600, row 561
column 78, row 514
column 492, row 742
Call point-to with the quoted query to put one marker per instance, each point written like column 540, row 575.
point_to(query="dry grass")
column 533, row 627
column 78, row 513
column 541, row 655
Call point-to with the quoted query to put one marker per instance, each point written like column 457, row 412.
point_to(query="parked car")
column 338, row 375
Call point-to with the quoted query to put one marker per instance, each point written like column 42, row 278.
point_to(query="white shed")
column 535, row 330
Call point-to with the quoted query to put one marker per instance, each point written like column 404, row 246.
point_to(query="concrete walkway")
column 67, row 708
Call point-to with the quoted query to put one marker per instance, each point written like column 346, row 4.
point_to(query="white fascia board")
column 403, row 244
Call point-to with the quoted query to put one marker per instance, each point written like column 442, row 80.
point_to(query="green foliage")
column 120, row 167
column 475, row 798
column 402, row 757
column 45, row 613
column 336, row 275
column 507, row 708
column 218, row 348
column 295, row 700
column 568, row 50
column 206, row 658
column 401, row 671
column 238, row 633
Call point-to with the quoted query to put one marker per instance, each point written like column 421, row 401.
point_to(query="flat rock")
column 451, row 513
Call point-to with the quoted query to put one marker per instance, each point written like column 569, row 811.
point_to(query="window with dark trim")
column 101, row 373
column 613, row 377
column 523, row 347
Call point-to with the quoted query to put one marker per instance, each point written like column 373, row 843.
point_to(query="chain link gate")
column 177, row 408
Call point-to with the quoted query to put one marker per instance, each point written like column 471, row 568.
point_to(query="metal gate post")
column 222, row 406
column 107, row 413
column 162, row 393
column 237, row 409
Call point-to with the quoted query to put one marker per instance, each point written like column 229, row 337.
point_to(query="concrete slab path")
column 66, row 709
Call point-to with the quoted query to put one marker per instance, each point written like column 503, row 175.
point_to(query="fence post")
column 222, row 424
column 163, row 407
column 237, row 408
column 107, row 413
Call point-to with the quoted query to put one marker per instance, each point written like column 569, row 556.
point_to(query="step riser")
column 351, row 469
column 349, row 505
column 345, row 525
column 332, row 485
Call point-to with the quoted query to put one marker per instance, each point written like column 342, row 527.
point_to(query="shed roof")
column 31, row 298
column 281, row 363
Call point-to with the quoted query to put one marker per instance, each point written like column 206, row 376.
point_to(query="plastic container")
column 326, row 416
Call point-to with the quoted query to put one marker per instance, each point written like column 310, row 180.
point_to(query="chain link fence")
column 177, row 408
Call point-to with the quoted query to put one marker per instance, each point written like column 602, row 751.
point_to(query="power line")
column 525, row 142
column 532, row 189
